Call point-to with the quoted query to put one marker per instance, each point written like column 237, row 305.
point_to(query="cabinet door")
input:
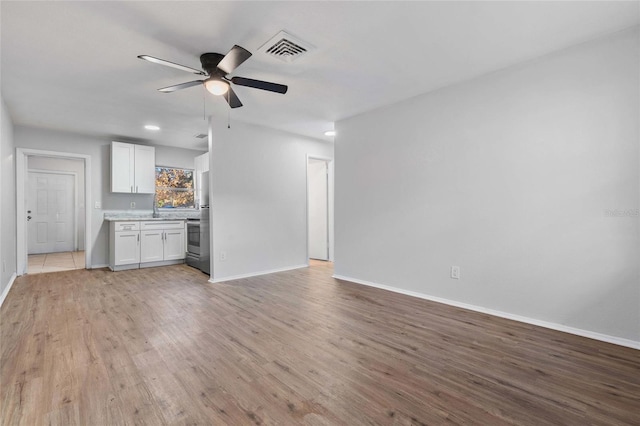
column 202, row 164
column 205, row 162
column 197, row 164
column 145, row 169
column 122, row 165
column 127, row 247
column 151, row 246
column 174, row 244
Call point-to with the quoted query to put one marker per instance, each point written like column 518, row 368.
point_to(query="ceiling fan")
column 216, row 68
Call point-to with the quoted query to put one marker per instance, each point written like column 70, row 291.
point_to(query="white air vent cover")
column 285, row 47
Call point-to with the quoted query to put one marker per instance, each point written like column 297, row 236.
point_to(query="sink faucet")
column 156, row 213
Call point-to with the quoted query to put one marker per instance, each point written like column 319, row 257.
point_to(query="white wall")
column 66, row 165
column 508, row 176
column 7, row 199
column 99, row 150
column 259, row 199
column 176, row 157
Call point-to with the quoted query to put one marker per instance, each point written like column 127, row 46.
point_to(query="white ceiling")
column 73, row 66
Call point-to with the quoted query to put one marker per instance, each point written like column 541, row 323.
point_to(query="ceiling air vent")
column 285, row 47
column 201, row 135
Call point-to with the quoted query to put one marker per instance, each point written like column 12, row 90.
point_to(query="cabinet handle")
column 136, row 188
column 138, row 238
column 131, row 188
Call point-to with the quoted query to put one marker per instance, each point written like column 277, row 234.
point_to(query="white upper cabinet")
column 201, row 164
column 122, row 167
column 133, row 168
column 145, row 169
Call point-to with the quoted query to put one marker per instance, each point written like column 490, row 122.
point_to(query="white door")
column 318, row 176
column 51, row 213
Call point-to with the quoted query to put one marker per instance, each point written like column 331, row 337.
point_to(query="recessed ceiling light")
column 151, row 127
column 330, row 133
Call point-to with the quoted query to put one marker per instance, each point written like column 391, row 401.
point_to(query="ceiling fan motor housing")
column 210, row 63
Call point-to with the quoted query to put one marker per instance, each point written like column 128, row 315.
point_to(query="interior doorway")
column 53, row 214
column 54, row 200
column 318, row 208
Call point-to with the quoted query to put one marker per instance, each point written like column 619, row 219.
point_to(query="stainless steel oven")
column 198, row 231
column 193, row 237
column 198, row 241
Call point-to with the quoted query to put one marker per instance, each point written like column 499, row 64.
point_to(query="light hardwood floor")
column 163, row 346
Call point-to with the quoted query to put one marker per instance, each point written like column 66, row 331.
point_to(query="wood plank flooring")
column 163, row 346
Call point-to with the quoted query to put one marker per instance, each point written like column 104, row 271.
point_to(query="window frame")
column 193, row 188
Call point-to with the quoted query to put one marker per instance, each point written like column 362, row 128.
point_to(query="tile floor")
column 55, row 262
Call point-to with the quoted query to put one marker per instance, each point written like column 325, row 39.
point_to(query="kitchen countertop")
column 141, row 218
column 147, row 216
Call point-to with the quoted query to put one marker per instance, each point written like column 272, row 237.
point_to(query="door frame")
column 330, row 169
column 75, row 201
column 22, row 155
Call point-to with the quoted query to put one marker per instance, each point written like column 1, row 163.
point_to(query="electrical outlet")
column 98, row 205
column 223, row 256
column 133, row 204
column 455, row 272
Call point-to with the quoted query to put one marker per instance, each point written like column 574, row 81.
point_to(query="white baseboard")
column 554, row 326
column 106, row 265
column 255, row 274
column 6, row 290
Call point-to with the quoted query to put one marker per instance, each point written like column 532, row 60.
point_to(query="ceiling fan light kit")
column 216, row 86
column 216, row 67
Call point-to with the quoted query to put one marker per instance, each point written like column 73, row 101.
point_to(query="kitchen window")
column 174, row 188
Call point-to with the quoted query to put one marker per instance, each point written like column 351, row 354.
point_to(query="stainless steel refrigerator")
column 205, row 229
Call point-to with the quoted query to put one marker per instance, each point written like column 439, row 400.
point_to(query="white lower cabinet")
column 174, row 241
column 124, row 245
column 127, row 247
column 151, row 249
column 146, row 244
column 161, row 240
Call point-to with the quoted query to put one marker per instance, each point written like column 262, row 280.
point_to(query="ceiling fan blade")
column 170, row 64
column 259, row 84
column 232, row 60
column 232, row 99
column 180, row 86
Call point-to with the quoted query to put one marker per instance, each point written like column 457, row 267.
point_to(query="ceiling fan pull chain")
column 204, row 103
column 228, row 110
